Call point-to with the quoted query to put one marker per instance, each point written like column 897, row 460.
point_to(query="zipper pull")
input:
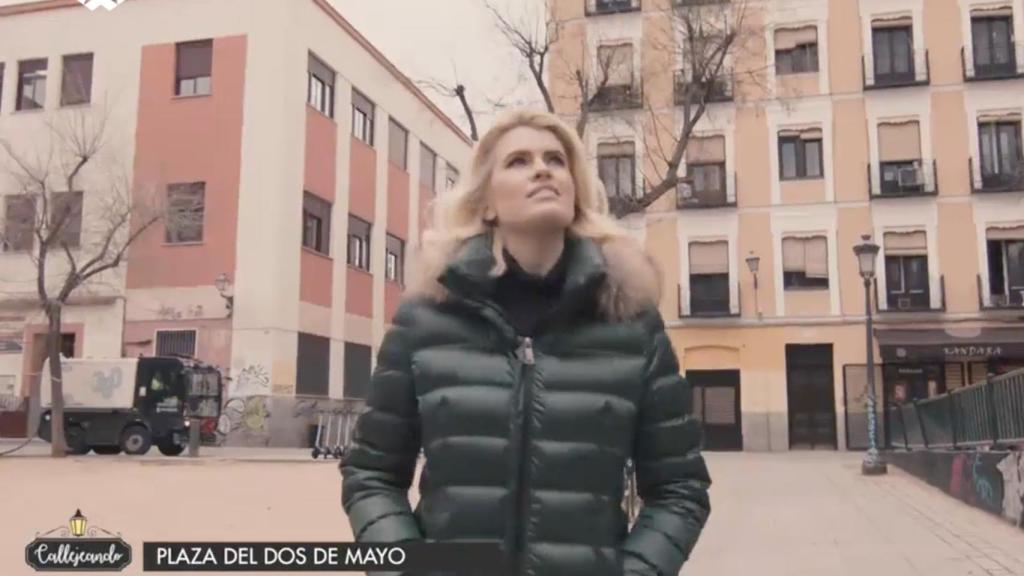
column 526, row 351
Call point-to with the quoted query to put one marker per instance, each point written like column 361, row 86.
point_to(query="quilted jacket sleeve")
column 672, row 479
column 379, row 467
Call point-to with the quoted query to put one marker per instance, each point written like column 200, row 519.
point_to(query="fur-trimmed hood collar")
column 622, row 276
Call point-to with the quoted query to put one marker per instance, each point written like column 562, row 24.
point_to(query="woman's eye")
column 517, row 161
column 557, row 160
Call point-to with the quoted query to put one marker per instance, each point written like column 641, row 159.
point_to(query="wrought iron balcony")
column 719, row 89
column 918, row 74
column 711, row 307
column 1011, row 67
column 689, row 3
column 1013, row 299
column 1009, row 179
column 617, row 97
column 691, row 195
column 903, row 179
column 601, row 7
column 905, row 303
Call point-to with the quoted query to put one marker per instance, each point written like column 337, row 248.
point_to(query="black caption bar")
column 415, row 557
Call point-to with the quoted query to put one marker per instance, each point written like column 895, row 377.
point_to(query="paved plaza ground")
column 774, row 514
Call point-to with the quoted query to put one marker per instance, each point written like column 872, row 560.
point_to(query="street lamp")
column 223, row 286
column 754, row 263
column 77, row 524
column 866, row 252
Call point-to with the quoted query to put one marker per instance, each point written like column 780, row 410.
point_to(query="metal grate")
column 176, row 343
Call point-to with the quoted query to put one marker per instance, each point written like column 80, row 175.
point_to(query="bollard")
column 193, row 440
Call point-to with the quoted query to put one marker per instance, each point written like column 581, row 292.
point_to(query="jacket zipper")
column 526, row 359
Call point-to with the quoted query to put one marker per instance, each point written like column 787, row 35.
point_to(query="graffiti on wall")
column 990, row 480
column 11, row 402
column 253, row 380
column 245, row 419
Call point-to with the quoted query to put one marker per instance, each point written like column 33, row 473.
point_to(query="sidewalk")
column 41, row 449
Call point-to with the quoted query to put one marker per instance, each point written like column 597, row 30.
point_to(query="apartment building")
column 897, row 119
column 301, row 159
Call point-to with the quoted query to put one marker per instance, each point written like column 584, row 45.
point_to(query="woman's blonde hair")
column 459, row 214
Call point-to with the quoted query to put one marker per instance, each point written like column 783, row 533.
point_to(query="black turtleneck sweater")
column 526, row 298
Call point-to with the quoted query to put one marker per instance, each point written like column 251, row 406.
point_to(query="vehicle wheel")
column 170, row 449
column 136, row 440
column 316, row 453
column 107, row 450
column 74, row 436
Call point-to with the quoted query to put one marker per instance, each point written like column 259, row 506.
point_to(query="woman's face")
column 531, row 187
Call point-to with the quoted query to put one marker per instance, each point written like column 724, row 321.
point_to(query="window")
column 186, row 210
column 616, row 62
column 616, row 167
column 899, row 155
column 1001, row 162
column 194, row 65
column 66, row 216
column 176, row 343
column 357, row 370
column 1006, row 266
column 395, row 260
column 893, row 51
column 31, row 84
column 19, row 223
column 428, row 167
column 805, row 263
column 705, row 165
column 992, row 37
column 321, row 87
column 800, row 154
column 76, row 82
column 313, row 370
column 709, row 278
column 358, row 243
column 451, row 177
column 67, row 344
column 316, row 223
column 398, row 143
column 796, row 50
column 906, row 271
column 362, row 117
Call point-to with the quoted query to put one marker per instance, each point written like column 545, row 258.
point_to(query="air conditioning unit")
column 910, row 177
column 904, row 303
column 1000, row 300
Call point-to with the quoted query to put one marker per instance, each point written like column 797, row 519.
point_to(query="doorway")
column 811, row 396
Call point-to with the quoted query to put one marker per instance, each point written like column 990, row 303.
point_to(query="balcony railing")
column 1013, row 67
column 1014, row 300
column 908, row 303
column 1010, row 180
column 618, row 97
column 918, row 179
column 600, row 7
column 919, row 73
column 719, row 89
column 720, row 307
column 723, row 195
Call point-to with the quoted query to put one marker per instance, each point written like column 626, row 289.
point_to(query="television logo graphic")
column 108, row 4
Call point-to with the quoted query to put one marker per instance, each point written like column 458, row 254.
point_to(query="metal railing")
column 988, row 301
column 689, row 3
column 916, row 180
column 618, row 97
column 911, row 305
column 719, row 89
column 1012, row 68
column 717, row 308
column 688, row 197
column 986, row 414
column 918, row 75
column 1011, row 180
column 600, row 7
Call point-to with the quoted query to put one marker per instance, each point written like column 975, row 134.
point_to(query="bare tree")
column 45, row 218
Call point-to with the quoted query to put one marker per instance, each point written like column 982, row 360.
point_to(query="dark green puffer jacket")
column 525, row 439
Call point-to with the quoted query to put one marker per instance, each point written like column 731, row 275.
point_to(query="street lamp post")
column 866, row 252
column 753, row 263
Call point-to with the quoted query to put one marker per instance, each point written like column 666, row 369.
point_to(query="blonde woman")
column 529, row 363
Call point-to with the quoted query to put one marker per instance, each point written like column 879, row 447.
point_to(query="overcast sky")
column 448, row 39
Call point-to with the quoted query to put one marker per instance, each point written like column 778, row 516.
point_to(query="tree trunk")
column 58, row 447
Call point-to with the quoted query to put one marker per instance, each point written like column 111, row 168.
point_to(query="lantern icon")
column 78, row 523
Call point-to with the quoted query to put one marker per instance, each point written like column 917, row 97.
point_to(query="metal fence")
column 989, row 414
